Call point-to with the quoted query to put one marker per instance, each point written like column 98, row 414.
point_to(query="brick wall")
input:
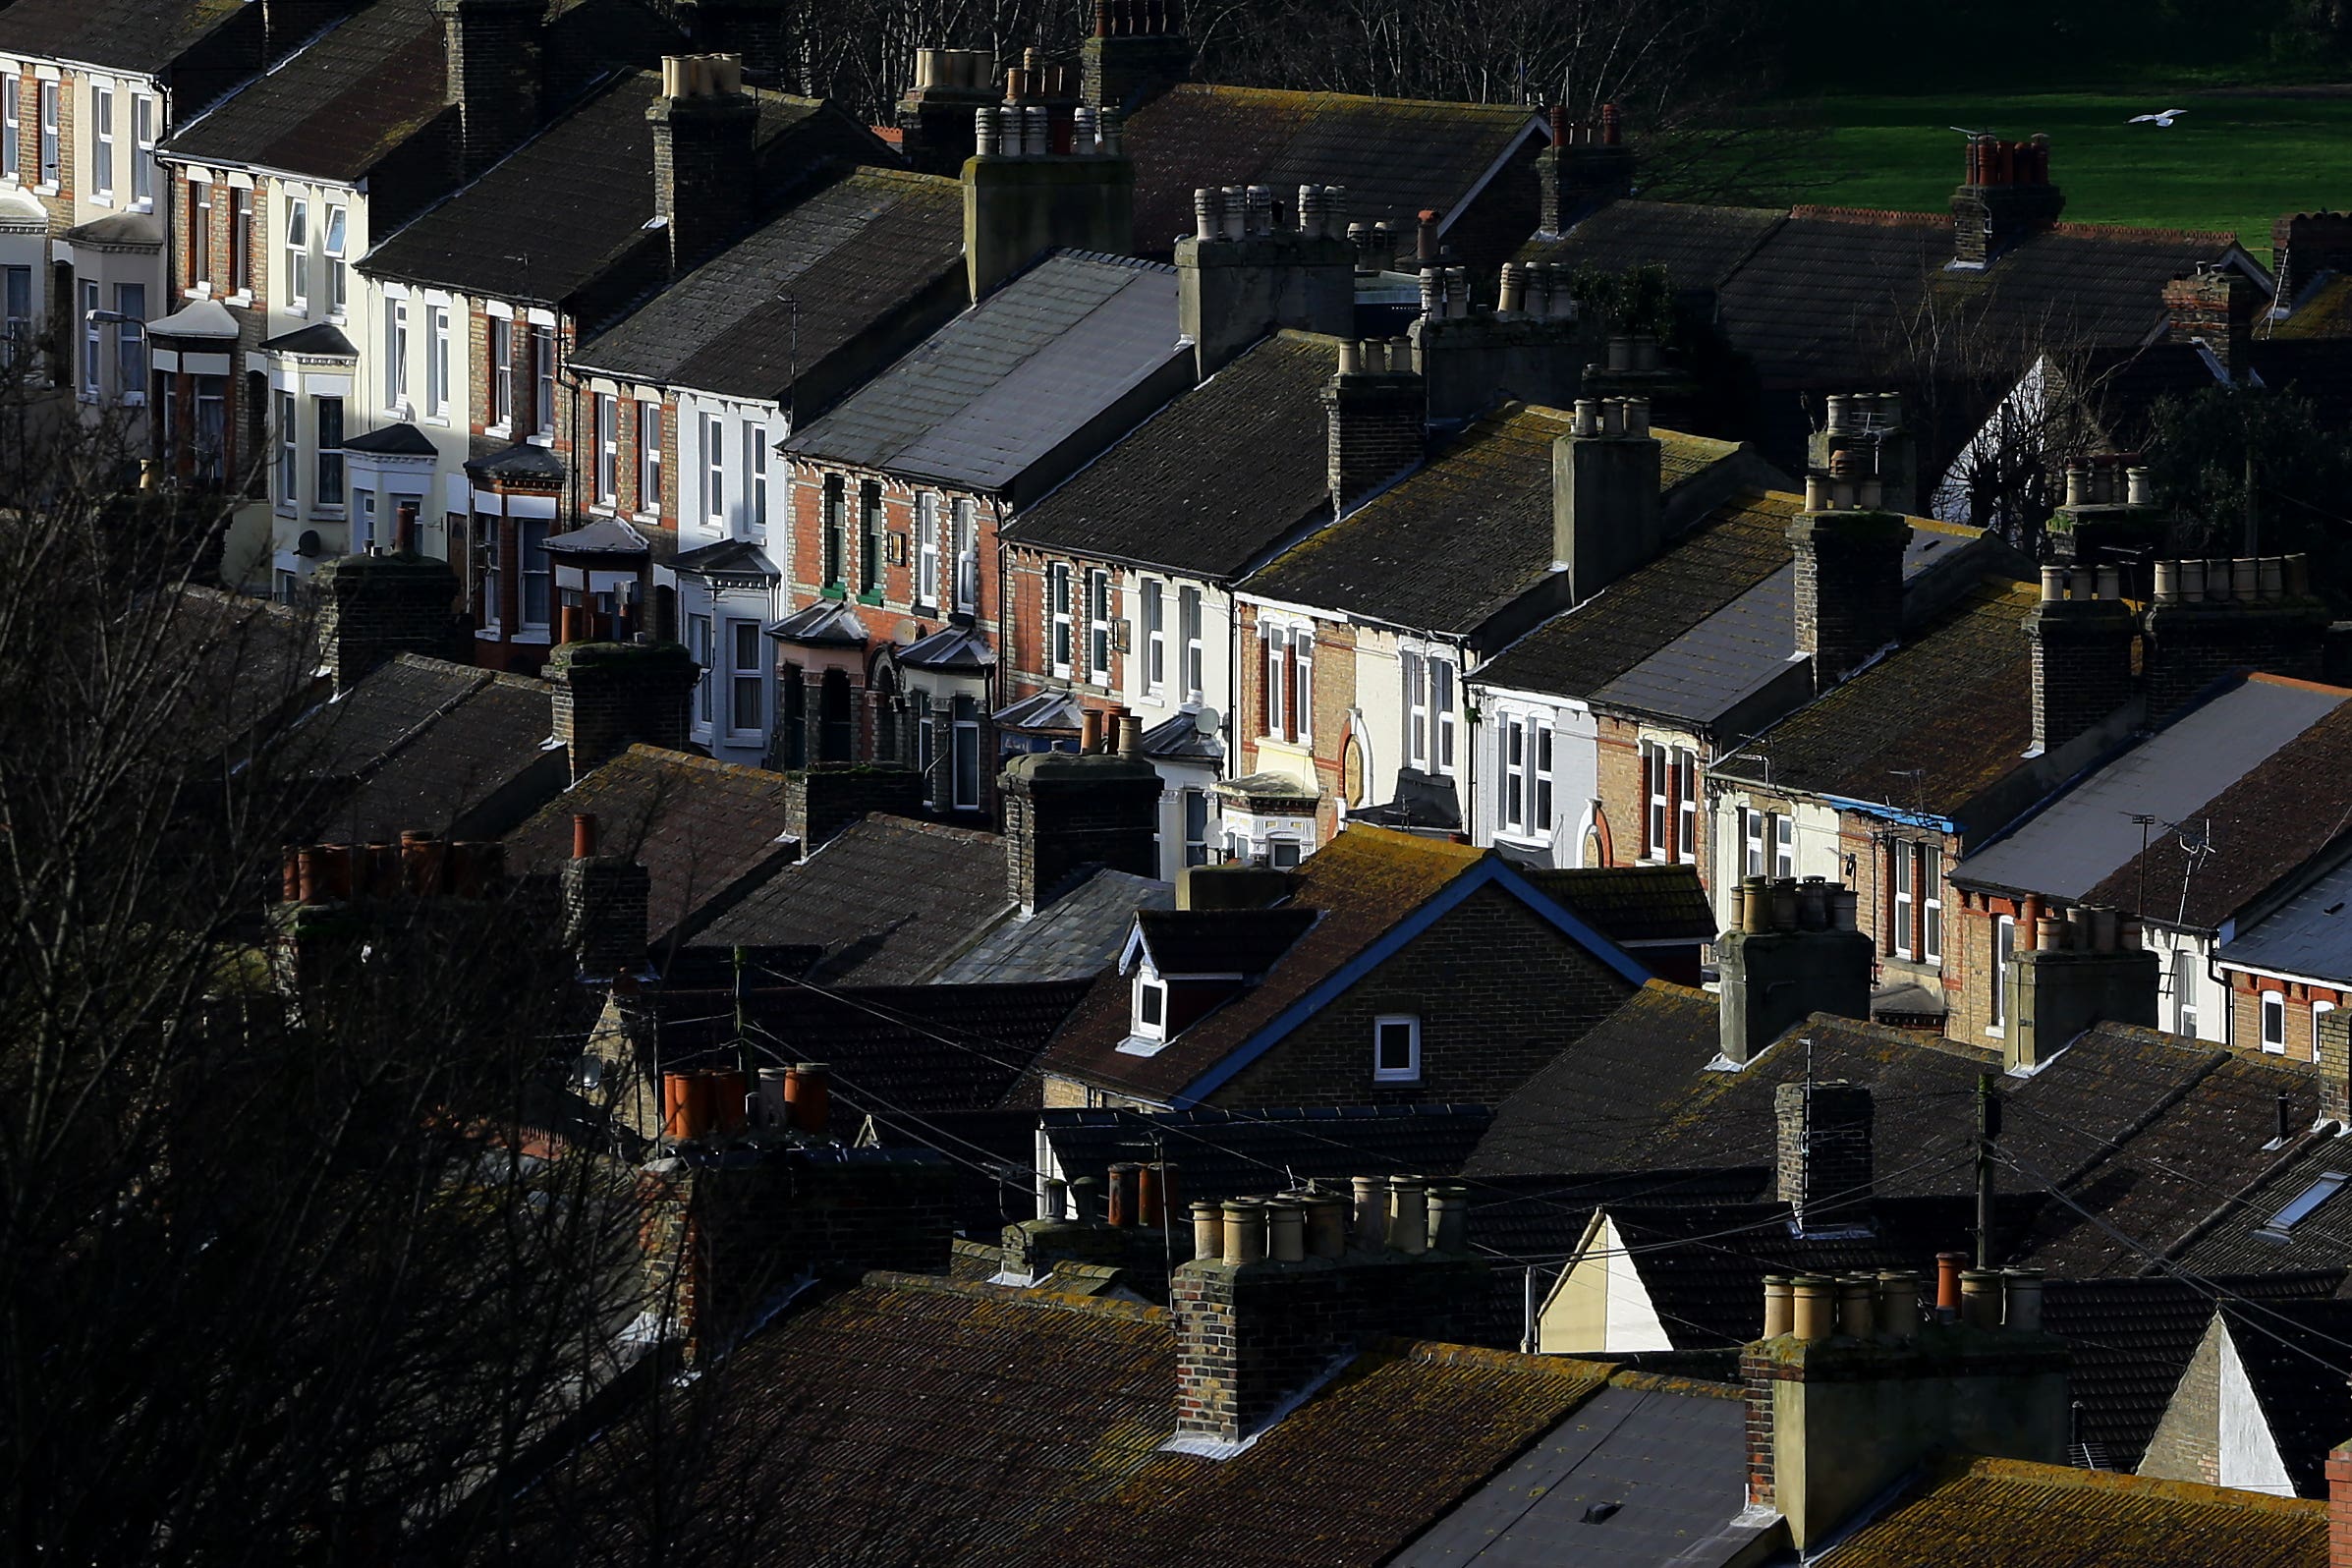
column 1492, row 229
column 2187, row 1443
column 1334, row 697
column 2246, row 1022
column 1029, row 629
column 819, row 802
column 1499, row 993
column 2192, row 645
column 806, row 574
column 2082, row 651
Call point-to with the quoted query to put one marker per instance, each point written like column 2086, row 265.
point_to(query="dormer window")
column 1150, row 1006
column 1396, row 1049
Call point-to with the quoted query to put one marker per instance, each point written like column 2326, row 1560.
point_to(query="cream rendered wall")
column 1599, row 1306
column 1817, row 845
column 2210, row 995
column 2250, row 1458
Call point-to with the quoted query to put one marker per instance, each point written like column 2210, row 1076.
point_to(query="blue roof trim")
column 1492, row 871
column 1893, row 814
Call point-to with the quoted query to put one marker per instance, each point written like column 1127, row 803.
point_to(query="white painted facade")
column 2192, row 997
column 1179, row 658
column 2248, row 1455
column 1538, row 778
column 1815, row 846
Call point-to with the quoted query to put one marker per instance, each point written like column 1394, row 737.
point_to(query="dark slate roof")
column 143, row 35
column 1738, row 545
column 255, row 662
column 891, row 1049
column 1180, row 737
column 345, row 737
column 393, row 441
column 136, row 231
column 605, row 538
column 2131, row 1340
column 1007, row 383
column 1698, row 245
column 954, row 646
column 734, row 557
column 890, row 900
column 525, row 460
column 1212, row 483
column 2076, row 842
column 1228, row 941
column 2289, row 1350
column 1955, row 705
column 704, row 830
column 1668, row 1469
column 1220, row 1154
column 322, row 340
column 2024, row 1515
column 561, row 211
column 769, row 308
column 1052, row 712
column 1079, row 933
column 1636, row 903
column 481, row 767
column 2234, row 1240
column 2307, row 935
column 1394, row 155
column 2261, row 828
column 1485, row 498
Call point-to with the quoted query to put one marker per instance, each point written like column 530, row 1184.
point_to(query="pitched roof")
column 1220, row 1154
column 766, row 312
column 2287, row 1349
column 1212, row 482
column 2080, row 838
column 1394, row 155
column 1698, row 245
column 1079, row 933
column 2295, row 1216
column 2307, row 935
column 1487, row 497
column 144, row 35
column 2052, row 1516
column 477, row 768
column 1004, row 385
column 892, row 1050
column 252, row 662
column 1223, row 941
column 1932, row 724
column 702, row 830
column 562, row 210
column 358, row 728
column 889, row 899
column 1634, row 903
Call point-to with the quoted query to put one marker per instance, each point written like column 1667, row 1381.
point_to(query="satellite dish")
column 308, row 546
column 1207, row 722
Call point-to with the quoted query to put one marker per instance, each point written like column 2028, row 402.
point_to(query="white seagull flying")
column 2163, row 118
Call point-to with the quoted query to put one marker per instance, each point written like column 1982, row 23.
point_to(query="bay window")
column 698, row 643
column 94, row 355
column 746, row 698
column 537, row 598
column 131, row 340
column 967, row 748
column 289, row 452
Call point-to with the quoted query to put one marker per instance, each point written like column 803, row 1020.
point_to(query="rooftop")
column 2307, row 935
column 1220, row 1154
column 143, row 35
column 1636, row 903
column 1079, row 933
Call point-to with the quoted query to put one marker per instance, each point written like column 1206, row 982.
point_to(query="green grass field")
column 2233, row 162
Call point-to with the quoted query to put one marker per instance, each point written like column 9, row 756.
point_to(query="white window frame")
column 1410, row 1073
column 143, row 154
column 753, row 458
column 965, row 738
column 1154, row 616
column 608, row 449
column 94, row 346
column 742, row 677
column 1511, row 746
column 437, row 361
column 648, row 458
column 966, row 564
column 335, row 247
column 1930, row 907
column 290, row 456
column 1190, row 612
column 1098, row 626
column 1785, row 844
column 698, row 640
column 2318, row 1010
column 1543, row 771
column 47, row 95
column 1685, row 761
column 1902, row 859
column 1057, row 610
column 328, row 463
column 101, row 149
column 1755, row 828
column 1417, row 709
column 926, row 548
column 297, row 256
column 1195, row 840
column 130, row 343
column 2004, row 953
column 1147, row 983
column 12, row 127
column 715, row 472
column 1656, row 802
column 2270, row 1013
column 2182, row 972
column 542, row 346
column 525, row 573
column 395, row 354
column 15, row 314
column 1445, row 702
column 501, row 334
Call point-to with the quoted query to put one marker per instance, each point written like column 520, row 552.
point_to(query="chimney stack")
column 1605, row 498
column 1586, row 166
column 2083, row 636
column 1136, row 52
column 753, row 31
column 2209, row 618
column 1046, row 173
column 1232, row 289
column 2005, row 196
column 606, row 903
column 1849, row 587
column 2335, row 1049
column 2304, row 244
column 1824, row 1151
column 935, row 118
column 493, row 50
column 1870, row 426
column 1374, row 417
column 2216, row 306
column 372, row 607
column 2085, row 967
column 1796, row 952
column 704, row 130
column 1063, row 812
column 612, row 695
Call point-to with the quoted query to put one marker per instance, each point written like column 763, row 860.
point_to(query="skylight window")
column 2301, row 1208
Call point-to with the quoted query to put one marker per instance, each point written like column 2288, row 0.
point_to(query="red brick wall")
column 1027, row 638
column 1335, row 694
column 807, row 510
column 2245, row 1021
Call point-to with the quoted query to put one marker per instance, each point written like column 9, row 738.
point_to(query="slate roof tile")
column 1220, row 1154
column 1634, row 903
column 1079, row 933
column 473, row 771
column 256, row 663
column 2233, row 1242
column 2306, row 936
column 1228, row 941
column 345, row 737
column 1698, row 245
column 142, row 35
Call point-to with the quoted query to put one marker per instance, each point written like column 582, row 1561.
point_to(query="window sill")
column 540, row 438
column 102, row 199
column 538, row 636
column 653, row 517
column 301, row 307
column 832, row 590
column 503, row 430
column 327, row 514
column 492, row 633
column 47, row 188
column 1395, row 1077
column 243, row 298
column 871, row 597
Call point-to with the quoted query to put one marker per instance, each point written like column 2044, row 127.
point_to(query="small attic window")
column 1150, row 1006
column 2303, row 1204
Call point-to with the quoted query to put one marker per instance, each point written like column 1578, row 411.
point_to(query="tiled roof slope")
column 1955, row 706
column 556, row 214
column 701, row 829
column 1362, row 883
column 2024, row 1515
column 2131, row 1339
column 2308, row 934
column 1079, row 933
column 893, row 1050
column 2261, row 829
column 889, row 899
column 1394, row 155
column 250, row 665
column 2323, row 311
column 1212, row 483
column 144, row 35
column 1486, row 500
column 1698, row 245
column 766, row 313
column 1011, row 380
column 1634, row 903
column 475, row 771
column 2232, row 1241
column 1230, row 941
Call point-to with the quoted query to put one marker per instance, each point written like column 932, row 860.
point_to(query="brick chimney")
column 936, row 116
column 2085, row 967
column 1605, row 505
column 2339, row 1507
column 2083, row 636
column 2110, row 518
column 1046, row 173
column 2304, row 244
column 1375, row 420
column 1063, row 811
column 491, row 51
column 2209, row 618
column 1138, row 52
column 1532, row 346
column 820, row 802
column 705, row 127
column 1795, row 952
column 372, row 607
column 1860, row 1390
column 1236, row 282
column 606, row 900
column 1849, row 588
column 2214, row 307
column 2005, row 196
column 1870, row 426
column 612, row 695
column 1586, row 166
column 753, row 31
column 1824, row 1150
column 1281, row 1288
